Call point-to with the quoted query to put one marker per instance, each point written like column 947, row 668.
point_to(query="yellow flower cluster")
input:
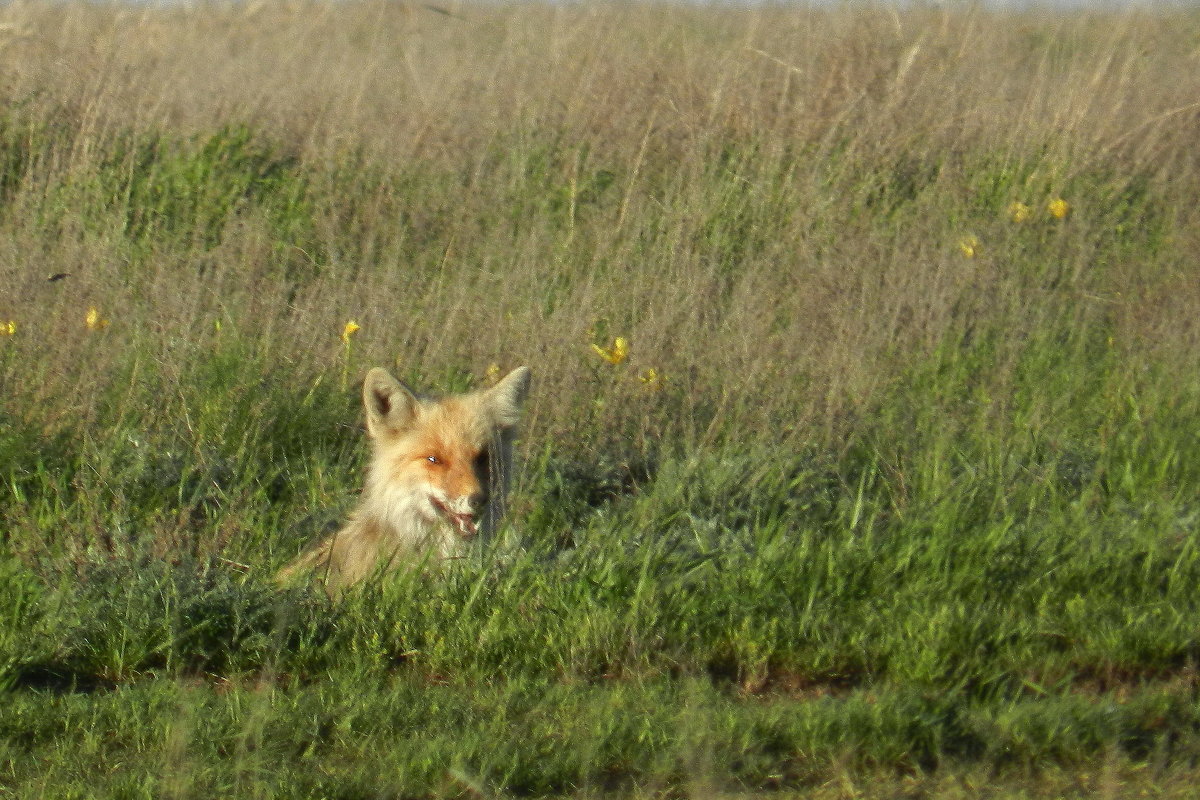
column 351, row 328
column 1058, row 208
column 1019, row 212
column 94, row 321
column 615, row 354
column 969, row 245
column 1055, row 207
column 651, row 380
column 618, row 352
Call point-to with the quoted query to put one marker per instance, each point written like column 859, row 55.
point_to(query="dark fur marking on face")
column 482, row 464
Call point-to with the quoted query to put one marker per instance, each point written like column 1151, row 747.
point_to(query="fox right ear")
column 506, row 398
column 390, row 407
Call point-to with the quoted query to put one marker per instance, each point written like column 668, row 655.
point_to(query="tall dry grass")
column 765, row 201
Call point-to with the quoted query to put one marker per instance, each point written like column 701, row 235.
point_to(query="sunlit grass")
column 862, row 449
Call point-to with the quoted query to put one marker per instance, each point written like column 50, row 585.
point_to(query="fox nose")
column 476, row 501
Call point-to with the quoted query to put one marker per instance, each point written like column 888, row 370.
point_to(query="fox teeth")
column 464, row 523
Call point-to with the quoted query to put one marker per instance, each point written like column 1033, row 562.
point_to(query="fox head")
column 444, row 461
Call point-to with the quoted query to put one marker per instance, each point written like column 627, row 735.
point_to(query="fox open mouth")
column 465, row 524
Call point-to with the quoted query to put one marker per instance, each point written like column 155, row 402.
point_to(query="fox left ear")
column 506, row 398
column 390, row 407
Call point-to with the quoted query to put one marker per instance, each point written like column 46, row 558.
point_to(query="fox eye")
column 433, row 459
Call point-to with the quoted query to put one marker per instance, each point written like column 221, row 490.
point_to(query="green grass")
column 861, row 515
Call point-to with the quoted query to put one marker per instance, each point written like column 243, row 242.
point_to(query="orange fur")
column 438, row 476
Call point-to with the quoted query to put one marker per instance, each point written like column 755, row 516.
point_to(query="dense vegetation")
column 892, row 491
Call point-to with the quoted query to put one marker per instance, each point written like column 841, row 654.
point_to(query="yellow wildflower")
column 493, row 373
column 651, row 380
column 8, row 328
column 615, row 354
column 94, row 321
column 351, row 328
column 1018, row 211
column 1058, row 208
column 969, row 245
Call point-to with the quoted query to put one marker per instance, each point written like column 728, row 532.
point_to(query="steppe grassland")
column 894, row 487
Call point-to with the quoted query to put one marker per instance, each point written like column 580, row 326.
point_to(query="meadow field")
column 889, row 490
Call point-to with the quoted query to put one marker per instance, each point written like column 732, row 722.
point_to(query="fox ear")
column 390, row 407
column 505, row 399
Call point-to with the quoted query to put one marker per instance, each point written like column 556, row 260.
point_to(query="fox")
column 438, row 477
